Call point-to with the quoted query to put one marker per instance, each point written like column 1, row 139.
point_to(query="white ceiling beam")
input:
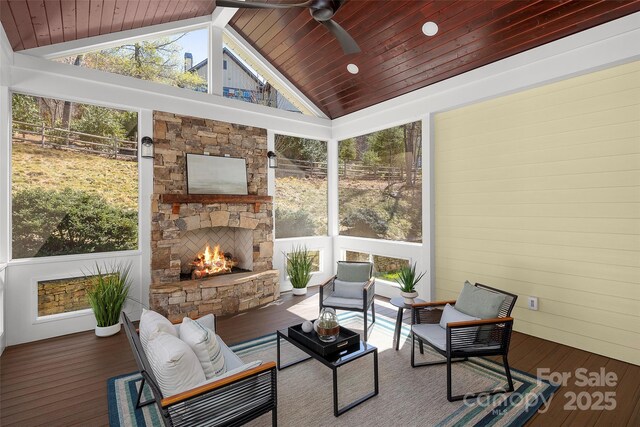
column 222, row 15
column 105, row 41
column 215, row 65
column 250, row 55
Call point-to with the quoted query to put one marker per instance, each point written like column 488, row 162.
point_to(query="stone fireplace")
column 183, row 225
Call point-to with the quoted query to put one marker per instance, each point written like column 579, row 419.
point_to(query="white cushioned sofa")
column 194, row 376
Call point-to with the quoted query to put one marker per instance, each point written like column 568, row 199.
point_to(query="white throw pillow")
column 152, row 323
column 450, row 314
column 208, row 321
column 175, row 366
column 204, row 344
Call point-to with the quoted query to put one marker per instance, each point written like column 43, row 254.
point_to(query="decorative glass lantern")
column 327, row 325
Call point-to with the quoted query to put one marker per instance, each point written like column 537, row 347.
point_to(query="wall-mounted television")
column 216, row 175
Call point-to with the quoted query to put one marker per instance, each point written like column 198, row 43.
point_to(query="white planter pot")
column 409, row 296
column 107, row 331
column 300, row 291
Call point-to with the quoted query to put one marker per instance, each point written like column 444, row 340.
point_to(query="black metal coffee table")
column 334, row 362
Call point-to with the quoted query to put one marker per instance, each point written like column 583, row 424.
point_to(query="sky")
column 196, row 43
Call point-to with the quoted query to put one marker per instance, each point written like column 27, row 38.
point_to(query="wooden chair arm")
column 432, row 304
column 186, row 395
column 471, row 323
column 368, row 285
column 328, row 281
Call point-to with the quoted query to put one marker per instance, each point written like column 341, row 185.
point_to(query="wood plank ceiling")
column 396, row 56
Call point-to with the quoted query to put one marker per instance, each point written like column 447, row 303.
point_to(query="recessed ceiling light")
column 353, row 68
column 430, row 28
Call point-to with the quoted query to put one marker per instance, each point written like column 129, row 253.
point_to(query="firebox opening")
column 215, row 251
column 213, row 262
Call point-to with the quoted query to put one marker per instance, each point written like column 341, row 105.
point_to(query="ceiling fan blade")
column 347, row 42
column 255, row 5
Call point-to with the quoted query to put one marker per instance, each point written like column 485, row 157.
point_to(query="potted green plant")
column 408, row 279
column 299, row 264
column 107, row 296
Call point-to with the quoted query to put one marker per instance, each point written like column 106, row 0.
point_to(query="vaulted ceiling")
column 396, row 56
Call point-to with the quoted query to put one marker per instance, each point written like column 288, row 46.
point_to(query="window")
column 176, row 60
column 301, row 187
column 380, row 184
column 74, row 178
column 244, row 81
column 315, row 261
column 63, row 295
column 384, row 267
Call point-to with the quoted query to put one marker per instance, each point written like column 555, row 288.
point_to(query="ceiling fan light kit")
column 322, row 11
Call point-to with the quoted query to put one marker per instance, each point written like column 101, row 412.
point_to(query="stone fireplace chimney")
column 183, row 224
column 188, row 61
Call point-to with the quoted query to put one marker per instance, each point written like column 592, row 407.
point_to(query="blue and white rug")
column 408, row 396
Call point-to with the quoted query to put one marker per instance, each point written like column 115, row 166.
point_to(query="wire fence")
column 354, row 170
column 66, row 139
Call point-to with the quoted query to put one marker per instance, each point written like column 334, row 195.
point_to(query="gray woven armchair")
column 353, row 289
column 459, row 340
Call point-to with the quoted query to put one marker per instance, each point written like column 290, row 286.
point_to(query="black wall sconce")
column 273, row 159
column 146, row 147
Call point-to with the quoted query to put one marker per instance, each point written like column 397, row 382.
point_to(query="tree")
column 155, row 60
column 101, row 121
column 50, row 110
column 388, row 145
column 48, row 223
column 66, row 110
column 347, row 152
column 25, row 109
column 291, row 147
column 412, row 147
column 370, row 158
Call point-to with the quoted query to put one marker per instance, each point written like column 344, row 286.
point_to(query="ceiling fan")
column 321, row 10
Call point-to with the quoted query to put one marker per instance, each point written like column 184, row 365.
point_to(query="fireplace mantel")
column 178, row 199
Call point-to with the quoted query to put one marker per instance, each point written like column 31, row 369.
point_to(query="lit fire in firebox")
column 211, row 263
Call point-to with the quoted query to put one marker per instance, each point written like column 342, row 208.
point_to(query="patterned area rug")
column 408, row 396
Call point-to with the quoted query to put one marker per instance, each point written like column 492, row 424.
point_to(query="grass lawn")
column 396, row 206
column 54, row 169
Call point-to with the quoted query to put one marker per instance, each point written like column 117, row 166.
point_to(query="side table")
column 399, row 302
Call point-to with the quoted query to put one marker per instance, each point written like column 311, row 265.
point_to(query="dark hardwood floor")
column 62, row 381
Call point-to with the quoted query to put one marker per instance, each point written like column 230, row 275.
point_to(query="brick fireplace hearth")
column 180, row 221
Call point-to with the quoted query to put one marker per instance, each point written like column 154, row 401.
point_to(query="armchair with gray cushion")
column 478, row 325
column 351, row 289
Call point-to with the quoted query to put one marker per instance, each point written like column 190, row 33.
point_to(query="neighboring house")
column 241, row 82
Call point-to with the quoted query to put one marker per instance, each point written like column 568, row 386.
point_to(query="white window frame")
column 87, row 256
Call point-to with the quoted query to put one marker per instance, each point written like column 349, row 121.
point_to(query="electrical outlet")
column 533, row 303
